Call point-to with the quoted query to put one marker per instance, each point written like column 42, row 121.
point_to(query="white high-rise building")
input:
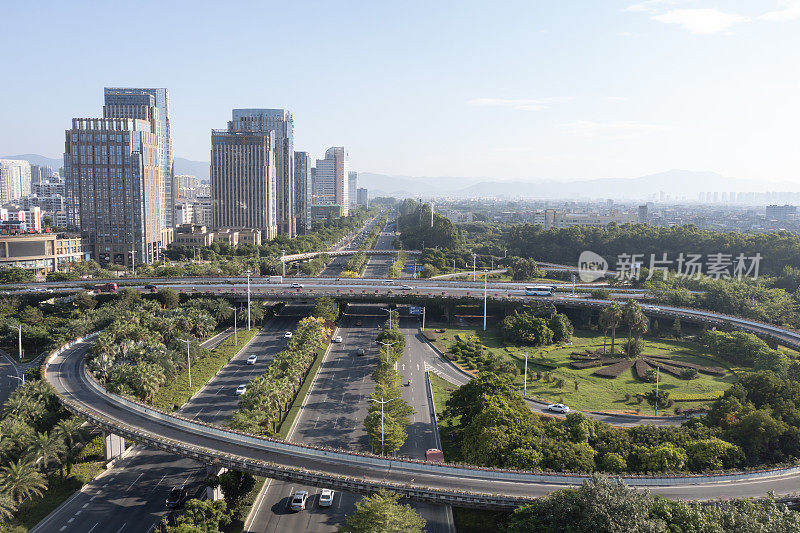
column 330, row 180
column 352, row 187
column 15, row 179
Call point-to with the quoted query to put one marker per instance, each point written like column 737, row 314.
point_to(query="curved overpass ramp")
column 440, row 483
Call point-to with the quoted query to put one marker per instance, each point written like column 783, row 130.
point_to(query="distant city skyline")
column 529, row 91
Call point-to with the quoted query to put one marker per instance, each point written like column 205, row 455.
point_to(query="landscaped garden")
column 577, row 373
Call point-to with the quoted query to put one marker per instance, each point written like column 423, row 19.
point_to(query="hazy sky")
column 529, row 89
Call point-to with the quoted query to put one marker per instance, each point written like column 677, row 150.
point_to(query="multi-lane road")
column 130, row 496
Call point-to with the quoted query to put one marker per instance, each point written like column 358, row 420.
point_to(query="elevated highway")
column 449, row 484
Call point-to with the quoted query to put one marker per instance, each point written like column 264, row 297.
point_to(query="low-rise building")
column 43, row 252
column 196, row 235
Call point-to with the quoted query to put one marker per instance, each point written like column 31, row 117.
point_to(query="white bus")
column 539, row 290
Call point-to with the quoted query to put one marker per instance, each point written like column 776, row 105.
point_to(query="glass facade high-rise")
column 330, row 183
column 352, row 186
column 124, row 102
column 302, row 191
column 280, row 122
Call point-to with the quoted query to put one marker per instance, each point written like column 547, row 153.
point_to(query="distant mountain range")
column 675, row 183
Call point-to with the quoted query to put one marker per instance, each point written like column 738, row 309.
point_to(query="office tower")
column 15, row 179
column 331, row 181
column 243, row 182
column 302, row 191
column 123, row 102
column 281, row 123
column 362, row 197
column 114, row 177
column 352, row 186
column 40, row 173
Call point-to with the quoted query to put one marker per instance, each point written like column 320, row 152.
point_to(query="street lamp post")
column 658, row 369
column 188, row 359
column 248, row 298
column 235, row 334
column 390, row 315
column 454, row 266
column 387, row 345
column 474, row 276
column 20, row 342
column 423, row 318
column 283, row 261
column 485, row 276
column 382, row 402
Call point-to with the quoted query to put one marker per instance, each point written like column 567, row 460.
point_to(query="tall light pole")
column 248, row 298
column 658, row 368
column 525, row 381
column 283, row 261
column 390, row 315
column 474, row 276
column 20, row 342
column 387, row 345
column 423, row 318
column 454, row 266
column 188, row 359
column 133, row 262
column 485, row 276
column 382, row 402
column 235, row 335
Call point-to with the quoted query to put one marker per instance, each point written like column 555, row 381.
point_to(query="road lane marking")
column 123, row 527
column 94, row 526
column 134, row 482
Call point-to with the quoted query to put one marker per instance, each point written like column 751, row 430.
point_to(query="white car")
column 287, row 335
column 388, row 281
column 299, row 500
column 326, row 498
column 337, row 339
column 252, row 359
column 241, row 389
column 558, row 408
column 296, row 285
column 406, row 288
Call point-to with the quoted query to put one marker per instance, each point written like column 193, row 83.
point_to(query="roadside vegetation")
column 383, row 512
column 387, row 426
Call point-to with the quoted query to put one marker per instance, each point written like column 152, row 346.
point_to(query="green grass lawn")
column 89, row 464
column 595, row 392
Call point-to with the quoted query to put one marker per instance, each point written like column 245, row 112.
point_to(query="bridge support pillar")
column 215, row 493
column 113, row 446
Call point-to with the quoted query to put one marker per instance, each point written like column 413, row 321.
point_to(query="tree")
column 7, row 507
column 676, row 328
column 15, row 275
column 613, row 319
column 235, row 487
column 326, row 308
column 201, row 516
column 387, row 438
column 85, row 301
column 665, row 457
column 168, row 298
column 19, row 480
column 382, row 513
column 72, row 433
column 46, row 448
column 562, row 328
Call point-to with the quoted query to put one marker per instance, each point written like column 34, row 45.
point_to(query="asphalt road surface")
column 130, row 496
column 7, row 384
column 332, row 416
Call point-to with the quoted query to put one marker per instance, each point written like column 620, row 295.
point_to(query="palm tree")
column 24, row 407
column 603, row 322
column 20, row 479
column 71, row 433
column 7, row 507
column 630, row 314
column 614, row 319
column 46, row 448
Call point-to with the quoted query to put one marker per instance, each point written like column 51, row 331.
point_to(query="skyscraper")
column 330, row 179
column 243, row 182
column 281, row 122
column 15, row 179
column 114, row 177
column 122, row 102
column 302, row 190
column 352, row 186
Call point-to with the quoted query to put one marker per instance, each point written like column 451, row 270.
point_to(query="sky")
column 524, row 90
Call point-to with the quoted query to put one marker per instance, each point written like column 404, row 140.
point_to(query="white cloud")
column 522, row 104
column 701, row 21
column 589, row 128
column 789, row 10
column 652, row 6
